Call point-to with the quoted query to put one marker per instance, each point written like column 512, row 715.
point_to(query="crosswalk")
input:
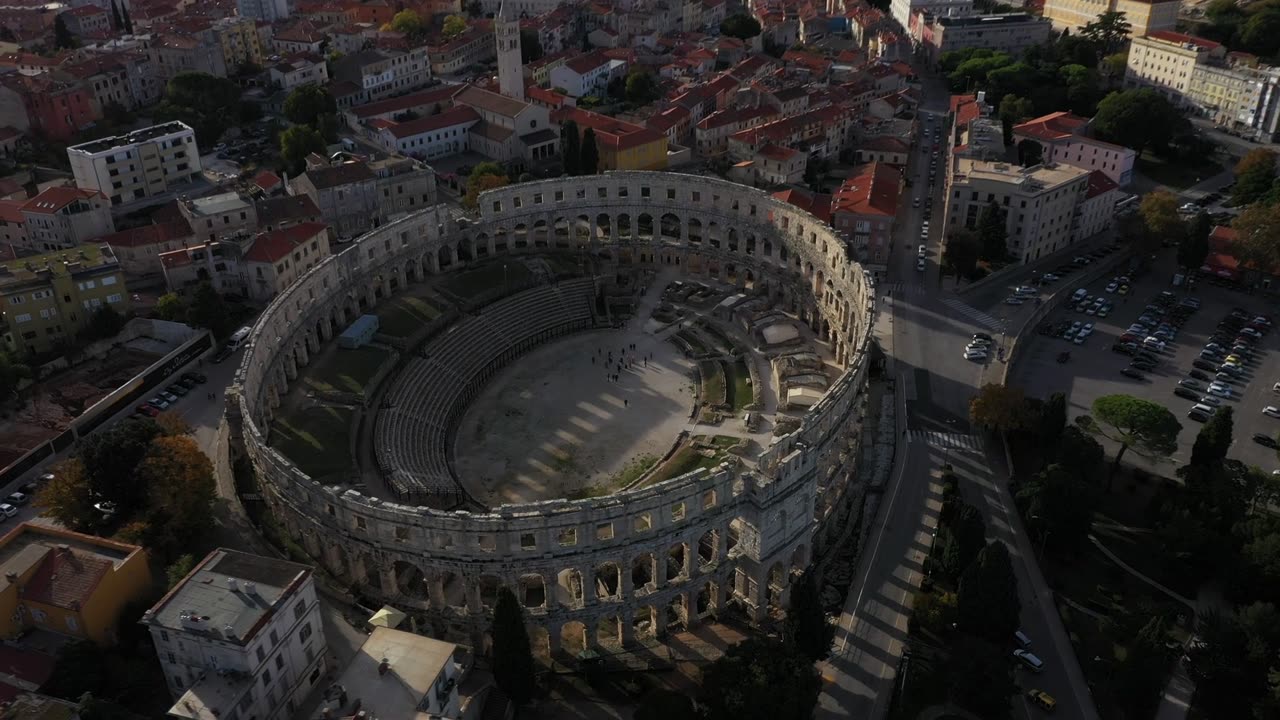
column 945, row 440
column 972, row 313
column 899, row 289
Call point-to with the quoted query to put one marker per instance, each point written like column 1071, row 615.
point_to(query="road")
column 923, row 329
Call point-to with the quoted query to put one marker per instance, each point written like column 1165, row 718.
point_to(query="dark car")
column 1198, row 375
column 1203, row 365
column 1198, row 416
column 1264, row 439
column 194, row 377
column 1186, row 393
column 1131, row 373
column 1124, row 348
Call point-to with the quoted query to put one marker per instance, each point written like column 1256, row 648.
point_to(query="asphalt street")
column 923, row 328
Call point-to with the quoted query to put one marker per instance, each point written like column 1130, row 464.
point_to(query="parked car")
column 1272, row 411
column 1185, row 393
column 1199, row 375
column 1131, row 373
column 148, row 410
column 17, row 498
column 8, row 510
column 1265, row 440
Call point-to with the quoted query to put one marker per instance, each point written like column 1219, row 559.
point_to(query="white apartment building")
column 1097, row 211
column 430, row 137
column 60, row 218
column 1039, row 203
column 1165, row 61
column 382, row 73
column 267, row 10
column 588, row 74
column 145, row 163
column 901, row 9
column 425, row 672
column 1061, row 137
column 239, row 638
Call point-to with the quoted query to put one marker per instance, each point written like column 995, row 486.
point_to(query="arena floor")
column 553, row 425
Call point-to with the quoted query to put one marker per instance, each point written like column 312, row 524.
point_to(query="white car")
column 1113, row 286
column 915, row 203
column 1051, row 277
column 979, row 343
column 975, row 354
column 1014, row 300
column 1153, row 343
column 1079, row 338
column 1271, row 410
column 8, row 510
column 1087, row 329
column 1210, row 400
column 1220, row 389
column 920, row 264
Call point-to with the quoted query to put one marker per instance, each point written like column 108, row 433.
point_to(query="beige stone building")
column 1166, row 60
column 143, row 164
column 1039, row 202
column 63, row 217
column 1144, row 17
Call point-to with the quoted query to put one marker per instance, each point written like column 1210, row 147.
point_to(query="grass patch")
column 693, row 341
column 477, row 282
column 346, row 370
column 713, row 387
column 404, row 316
column 739, row 383
column 316, row 439
column 1178, row 175
column 629, row 473
column 687, row 459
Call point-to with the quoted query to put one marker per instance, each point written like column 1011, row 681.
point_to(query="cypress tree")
column 590, row 159
column 807, row 625
column 128, row 23
column 116, row 22
column 571, row 148
column 512, row 656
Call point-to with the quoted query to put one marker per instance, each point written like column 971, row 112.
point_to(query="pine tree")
column 590, row 158
column 116, row 22
column 512, row 656
column 992, row 234
column 128, row 23
column 571, row 148
column 62, row 37
column 807, row 624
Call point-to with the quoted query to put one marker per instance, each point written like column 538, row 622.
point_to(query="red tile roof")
column 816, row 204
column 275, row 245
column 148, row 234
column 1099, row 183
column 454, row 116
column 873, row 191
column 965, row 108
column 1054, row 126
column 405, row 102
column 65, row 578
column 586, row 62
column 11, row 211
column 611, row 132
column 884, row 143
column 777, row 152
column 55, row 198
column 266, row 180
column 1183, row 39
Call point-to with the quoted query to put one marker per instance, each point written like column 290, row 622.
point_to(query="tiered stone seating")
column 413, row 437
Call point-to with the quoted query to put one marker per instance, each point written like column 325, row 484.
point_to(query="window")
column 280, row 661
column 299, row 610
column 73, row 624
column 262, row 655
column 604, row 531
column 114, row 298
column 275, row 638
column 677, row 511
column 24, row 317
column 266, row 677
column 164, row 635
column 305, row 633
column 642, row 523
column 567, row 537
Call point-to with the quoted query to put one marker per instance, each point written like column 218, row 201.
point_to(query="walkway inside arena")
column 555, row 425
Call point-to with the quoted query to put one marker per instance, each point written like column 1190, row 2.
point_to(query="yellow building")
column 68, row 583
column 46, row 299
column 239, row 39
column 1144, row 17
column 621, row 145
column 1166, row 61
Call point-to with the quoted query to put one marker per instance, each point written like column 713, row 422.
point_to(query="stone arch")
column 573, row 638
column 606, row 581
column 776, row 586
column 541, row 236
column 644, row 226
column 409, row 580
column 453, row 589
column 338, row 562
column 750, row 246
column 604, row 229
column 570, row 588
column 561, row 231
column 623, row 223
column 677, row 611
column 582, row 230
column 532, row 591
column 800, row 557
column 609, row 630
column 732, row 240
column 708, row 550
column 644, row 622
column 462, row 251
column 488, row 586
column 539, row 640
column 671, row 226
column 444, row 258
column 519, row 238
column 677, row 559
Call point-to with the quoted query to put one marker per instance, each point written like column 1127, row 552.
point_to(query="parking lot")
column 1094, row 368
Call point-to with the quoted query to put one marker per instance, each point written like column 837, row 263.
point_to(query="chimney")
column 249, row 588
column 384, row 666
column 232, row 585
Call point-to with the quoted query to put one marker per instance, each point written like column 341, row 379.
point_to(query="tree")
column 665, row 705
column 305, row 105
column 1194, row 247
column 1214, row 439
column 484, row 176
column 512, row 655
column 1030, row 153
column 171, row 307
column 209, row 311
column 982, row 677
column 1015, row 108
column 296, row 144
column 571, row 148
column 128, row 22
column 1141, row 118
column 1110, row 30
column 1150, row 429
column 180, row 488
column 998, row 406
column 12, row 373
column 68, row 497
column 987, row 601
column 741, row 26
column 179, row 569
column 1257, row 231
column 530, row 46
column 641, row 88
column 1081, row 452
column 1140, row 677
column 409, row 23
column 960, row 254
column 807, row 626
column 589, row 157
column 993, row 235
column 1058, row 505
column 62, row 37
column 1053, row 422
column 760, row 679
column 1260, row 34
column 111, row 457
column 104, row 323
column 1114, row 65
column 1255, row 175
column 1159, row 213
column 116, row 22
column 454, row 25
column 969, row 533
column 475, row 8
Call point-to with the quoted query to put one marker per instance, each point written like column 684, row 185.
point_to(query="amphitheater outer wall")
column 417, row 557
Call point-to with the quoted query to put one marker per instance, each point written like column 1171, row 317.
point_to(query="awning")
column 387, row 617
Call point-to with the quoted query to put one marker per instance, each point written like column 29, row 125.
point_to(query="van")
column 1202, row 408
column 1079, row 295
column 238, row 338
column 1023, row 641
column 1032, row 663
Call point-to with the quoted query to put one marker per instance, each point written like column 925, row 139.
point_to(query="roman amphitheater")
column 647, row 416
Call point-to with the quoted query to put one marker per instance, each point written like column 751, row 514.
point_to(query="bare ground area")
column 554, row 425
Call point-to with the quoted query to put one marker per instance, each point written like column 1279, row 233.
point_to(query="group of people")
column 614, row 368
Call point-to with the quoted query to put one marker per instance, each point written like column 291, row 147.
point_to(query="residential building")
column 1165, row 61
column 218, row 216
column 510, row 131
column 382, row 73
column 47, row 299
column 1062, row 140
column 884, row 149
column 138, row 249
column 1010, row 33
column 864, row 211
column 240, row 636
column 296, row 70
column 146, row 163
column 450, row 56
column 301, row 36
column 238, row 37
column 258, row 267
column 172, row 54
column 1143, row 16
column 430, row 137
column 13, row 224
column 621, row 145
column 713, row 131
column 426, row 672
column 40, row 104
column 423, row 102
column 778, row 165
column 588, row 74
column 66, row 582
column 1097, row 211
column 1239, row 95
column 346, row 194
column 403, row 186
column 1039, row 203
column 275, row 213
column 63, row 217
column 264, row 10
column 87, row 21
column 901, row 10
